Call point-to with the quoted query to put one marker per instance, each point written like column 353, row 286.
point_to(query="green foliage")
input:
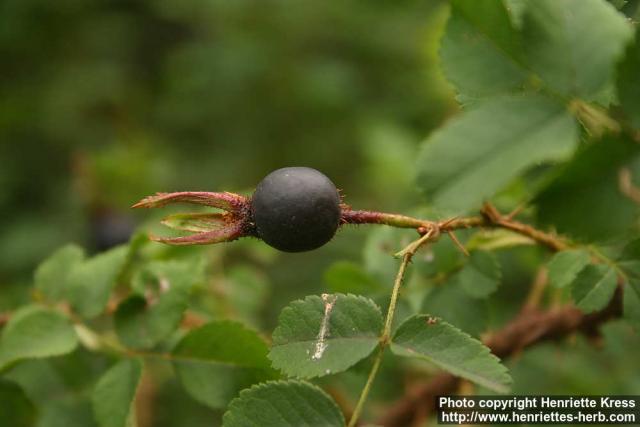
column 593, row 287
column 91, row 282
column 573, row 44
column 565, row 265
column 509, row 134
column 247, row 290
column 446, row 300
column 546, row 132
column 114, row 394
column 446, row 346
column 36, row 332
column 627, row 83
column 631, row 307
column 578, row 202
column 480, row 276
column 16, row 410
column 349, row 277
column 283, row 404
column 155, row 310
column 219, row 359
column 52, row 275
column 629, row 263
column 480, row 49
column 321, row 336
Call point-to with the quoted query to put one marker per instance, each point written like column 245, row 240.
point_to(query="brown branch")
column 490, row 218
column 495, row 219
column 530, row 327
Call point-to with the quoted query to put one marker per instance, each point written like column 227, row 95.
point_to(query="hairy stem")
column 407, row 254
column 490, row 218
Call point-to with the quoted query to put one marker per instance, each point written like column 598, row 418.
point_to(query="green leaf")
column 593, row 287
column 91, row 282
column 450, row 302
column 319, row 336
column 481, row 151
column 16, row 410
column 140, row 324
column 579, row 202
column 381, row 244
column 631, row 251
column 283, row 404
column 145, row 319
column 349, row 277
column 247, row 290
column 115, row 392
column 573, row 44
column 565, row 265
column 480, row 49
column 52, row 275
column 438, row 259
column 219, row 359
column 35, row 332
column 628, row 83
column 481, row 275
column 631, row 307
column 629, row 263
column 446, row 346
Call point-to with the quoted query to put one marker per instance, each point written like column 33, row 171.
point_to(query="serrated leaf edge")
column 267, row 384
column 502, row 388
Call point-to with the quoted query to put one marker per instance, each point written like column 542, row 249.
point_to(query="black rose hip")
column 296, row 209
column 293, row 209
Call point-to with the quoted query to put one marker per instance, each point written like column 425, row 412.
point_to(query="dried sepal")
column 227, row 201
column 209, row 227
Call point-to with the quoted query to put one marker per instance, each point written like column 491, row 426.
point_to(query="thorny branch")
column 530, row 327
column 489, row 218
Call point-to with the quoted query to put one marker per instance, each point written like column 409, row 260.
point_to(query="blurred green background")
column 103, row 103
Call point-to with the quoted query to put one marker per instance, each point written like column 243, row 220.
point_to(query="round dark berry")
column 296, row 209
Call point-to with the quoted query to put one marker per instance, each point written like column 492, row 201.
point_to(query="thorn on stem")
column 515, row 212
column 491, row 213
column 457, row 242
